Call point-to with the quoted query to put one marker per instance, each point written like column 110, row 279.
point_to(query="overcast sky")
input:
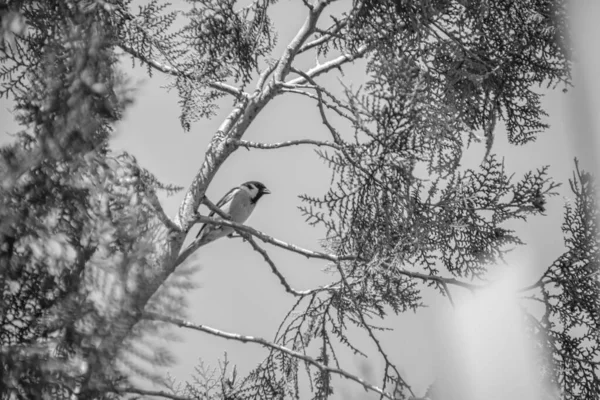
column 238, row 292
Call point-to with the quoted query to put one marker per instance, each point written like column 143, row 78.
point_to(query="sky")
column 466, row 345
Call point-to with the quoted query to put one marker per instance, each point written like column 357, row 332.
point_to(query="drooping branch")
column 265, row 343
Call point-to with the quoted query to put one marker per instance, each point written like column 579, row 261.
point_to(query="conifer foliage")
column 89, row 259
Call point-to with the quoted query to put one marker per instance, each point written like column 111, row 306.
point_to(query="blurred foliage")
column 75, row 219
column 81, row 227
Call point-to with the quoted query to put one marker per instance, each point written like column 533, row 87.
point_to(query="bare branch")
column 263, row 252
column 329, row 65
column 334, row 133
column 269, row 146
column 264, row 75
column 284, row 245
column 174, row 71
column 326, row 36
column 307, row 4
column 262, row 236
column 447, row 290
column 334, row 107
column 160, row 212
column 307, row 29
column 274, row 268
column 212, row 207
column 251, row 339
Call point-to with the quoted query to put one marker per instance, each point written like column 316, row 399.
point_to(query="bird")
column 238, row 204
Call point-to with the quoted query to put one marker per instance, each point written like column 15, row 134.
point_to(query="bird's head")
column 256, row 190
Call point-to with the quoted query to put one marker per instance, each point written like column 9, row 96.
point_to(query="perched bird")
column 238, row 203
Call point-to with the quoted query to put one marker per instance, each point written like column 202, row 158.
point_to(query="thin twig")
column 278, row 273
column 447, row 291
column 326, row 36
column 336, row 107
column 252, row 339
column 540, row 282
column 160, row 212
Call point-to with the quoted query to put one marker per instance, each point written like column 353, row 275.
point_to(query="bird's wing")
column 224, row 200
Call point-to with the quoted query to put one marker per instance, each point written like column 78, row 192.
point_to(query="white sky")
column 240, row 294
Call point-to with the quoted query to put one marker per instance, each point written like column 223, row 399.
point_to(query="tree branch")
column 262, row 236
column 264, row 343
column 274, row 268
column 174, row 71
column 212, row 207
column 443, row 281
column 326, row 35
column 160, row 212
column 264, row 75
column 539, row 283
column 268, row 146
column 329, row 65
column 334, row 107
column 334, row 133
column 307, row 29
column 167, row 252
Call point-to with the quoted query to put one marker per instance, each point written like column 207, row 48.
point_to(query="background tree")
column 87, row 248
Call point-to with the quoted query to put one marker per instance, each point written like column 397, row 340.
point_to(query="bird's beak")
column 266, row 191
